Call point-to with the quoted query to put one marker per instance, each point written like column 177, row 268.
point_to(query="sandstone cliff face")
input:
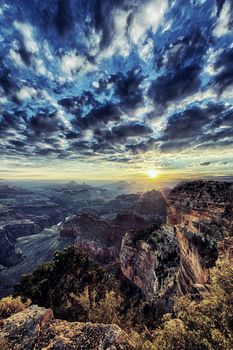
column 35, row 328
column 150, row 260
column 202, row 213
column 97, row 236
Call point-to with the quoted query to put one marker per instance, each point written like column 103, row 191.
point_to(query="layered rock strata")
column 202, row 214
column 101, row 238
column 150, row 260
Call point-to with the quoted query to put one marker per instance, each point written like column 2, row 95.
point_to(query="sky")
column 112, row 89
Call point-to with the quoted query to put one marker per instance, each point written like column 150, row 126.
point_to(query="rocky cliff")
column 202, row 214
column 200, row 222
column 150, row 260
column 151, row 206
column 101, row 238
column 35, row 328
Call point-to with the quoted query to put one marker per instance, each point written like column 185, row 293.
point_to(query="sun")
column 152, row 174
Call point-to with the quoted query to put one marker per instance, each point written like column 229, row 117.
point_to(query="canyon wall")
column 150, row 260
column 100, row 237
column 202, row 214
column 199, row 230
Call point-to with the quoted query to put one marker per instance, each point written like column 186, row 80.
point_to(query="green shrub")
column 204, row 322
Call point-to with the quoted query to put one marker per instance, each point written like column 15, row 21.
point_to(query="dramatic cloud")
column 116, row 81
column 196, row 126
column 170, row 88
column 224, row 67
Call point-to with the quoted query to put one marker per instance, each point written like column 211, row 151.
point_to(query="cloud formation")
column 115, row 79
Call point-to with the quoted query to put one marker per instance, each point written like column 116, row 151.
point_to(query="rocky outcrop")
column 35, row 328
column 151, row 206
column 202, row 213
column 150, row 260
column 22, row 330
column 101, row 238
column 95, row 235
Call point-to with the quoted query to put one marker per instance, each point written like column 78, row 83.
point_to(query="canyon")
column 191, row 227
column 160, row 245
column 36, row 222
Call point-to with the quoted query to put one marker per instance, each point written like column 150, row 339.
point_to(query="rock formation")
column 101, row 238
column 10, row 230
column 151, row 206
column 35, row 328
column 29, row 252
column 150, row 260
column 202, row 213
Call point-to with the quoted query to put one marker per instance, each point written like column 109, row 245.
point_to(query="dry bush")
column 10, row 306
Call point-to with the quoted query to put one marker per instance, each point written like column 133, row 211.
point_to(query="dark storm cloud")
column 71, row 135
column 90, row 148
column 18, row 143
column 80, row 146
column 11, row 123
column 76, row 104
column 224, row 119
column 53, row 38
column 195, row 126
column 224, row 78
column 63, row 18
column 205, row 164
column 40, row 135
column 121, row 132
column 58, row 14
column 45, row 124
column 25, row 55
column 127, row 87
column 131, row 130
column 173, row 87
column 99, row 116
column 182, row 64
column 189, row 123
column 142, row 147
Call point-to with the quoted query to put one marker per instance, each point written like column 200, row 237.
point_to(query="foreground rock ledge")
column 35, row 328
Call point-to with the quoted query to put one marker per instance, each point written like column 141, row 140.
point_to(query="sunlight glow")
column 152, row 173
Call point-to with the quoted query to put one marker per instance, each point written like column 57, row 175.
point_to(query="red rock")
column 202, row 213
